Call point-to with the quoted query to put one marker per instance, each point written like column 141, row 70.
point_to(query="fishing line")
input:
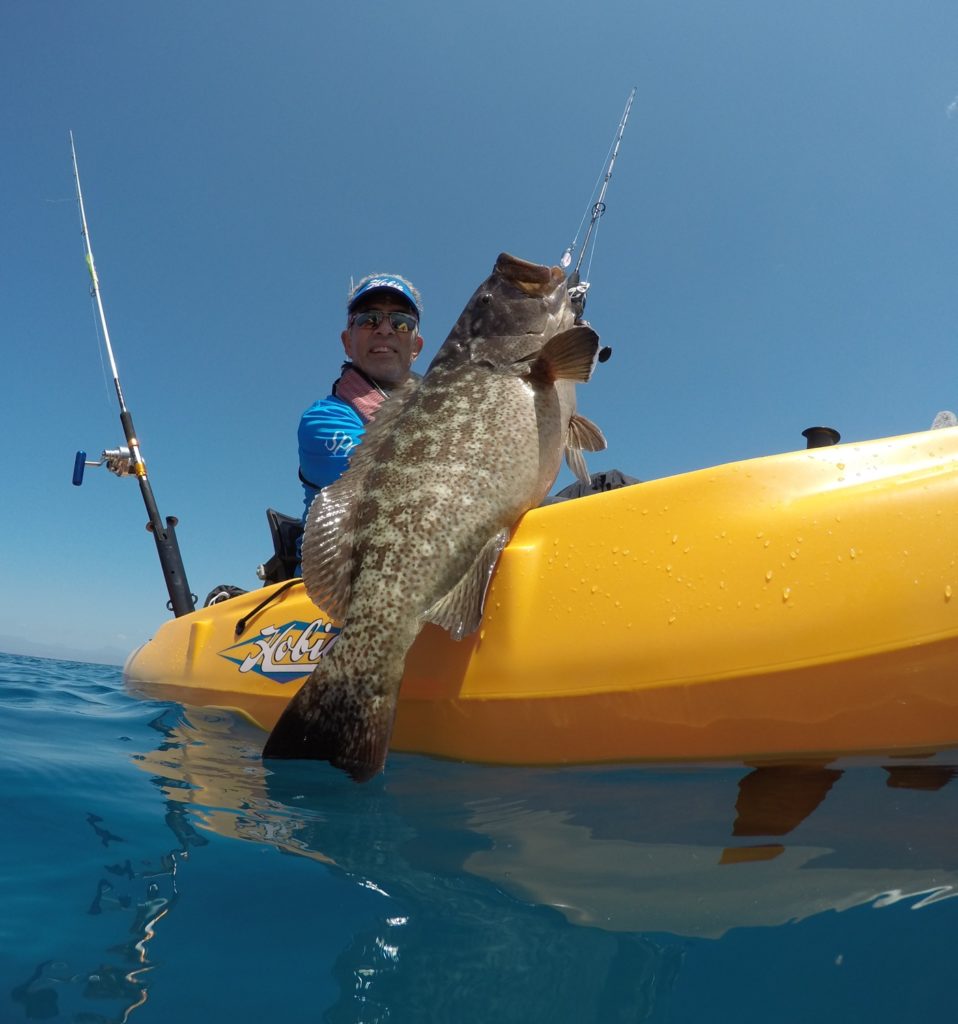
column 93, row 310
column 595, row 243
column 566, row 260
column 577, row 286
column 598, row 207
column 99, row 352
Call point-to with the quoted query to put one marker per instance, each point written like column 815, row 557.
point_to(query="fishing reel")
column 577, row 295
column 578, row 289
column 117, row 460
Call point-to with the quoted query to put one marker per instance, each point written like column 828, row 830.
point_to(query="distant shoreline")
column 28, row 649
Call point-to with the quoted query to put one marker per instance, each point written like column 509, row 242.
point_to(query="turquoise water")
column 152, row 870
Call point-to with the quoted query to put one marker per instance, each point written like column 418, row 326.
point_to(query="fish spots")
column 367, row 513
column 432, row 401
column 387, row 449
column 370, row 556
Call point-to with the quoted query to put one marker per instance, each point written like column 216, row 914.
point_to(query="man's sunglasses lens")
column 401, row 322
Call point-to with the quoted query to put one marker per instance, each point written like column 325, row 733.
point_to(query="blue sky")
column 778, row 251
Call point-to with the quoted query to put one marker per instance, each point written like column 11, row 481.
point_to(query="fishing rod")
column 578, row 287
column 128, row 460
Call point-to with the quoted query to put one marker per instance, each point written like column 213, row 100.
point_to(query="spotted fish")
column 411, row 533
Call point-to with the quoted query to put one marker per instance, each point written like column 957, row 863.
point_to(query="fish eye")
column 485, row 299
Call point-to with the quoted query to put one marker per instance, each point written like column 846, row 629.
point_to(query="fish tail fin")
column 340, row 721
column 568, row 355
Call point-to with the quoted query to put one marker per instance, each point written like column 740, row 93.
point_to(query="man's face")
column 381, row 352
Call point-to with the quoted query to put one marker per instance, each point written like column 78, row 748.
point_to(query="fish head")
column 510, row 315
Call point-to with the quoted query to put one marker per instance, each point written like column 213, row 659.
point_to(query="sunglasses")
column 370, row 319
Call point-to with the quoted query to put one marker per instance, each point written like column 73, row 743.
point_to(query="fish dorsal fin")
column 568, row 355
column 460, row 611
column 582, row 435
column 331, row 520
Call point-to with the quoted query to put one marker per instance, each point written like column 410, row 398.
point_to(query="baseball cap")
column 386, row 283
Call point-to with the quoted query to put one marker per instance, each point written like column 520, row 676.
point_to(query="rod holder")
column 821, row 437
column 182, row 601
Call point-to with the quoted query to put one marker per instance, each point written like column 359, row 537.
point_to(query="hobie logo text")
column 284, row 653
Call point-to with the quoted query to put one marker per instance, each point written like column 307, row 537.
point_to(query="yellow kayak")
column 803, row 604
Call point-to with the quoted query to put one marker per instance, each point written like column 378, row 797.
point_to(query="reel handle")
column 79, row 464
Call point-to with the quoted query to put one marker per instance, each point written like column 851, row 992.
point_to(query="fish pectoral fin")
column 328, row 548
column 584, row 434
column 328, row 721
column 568, row 355
column 460, row 610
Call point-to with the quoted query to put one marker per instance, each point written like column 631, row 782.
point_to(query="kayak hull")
column 798, row 605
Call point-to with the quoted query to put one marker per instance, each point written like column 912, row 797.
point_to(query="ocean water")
column 151, row 869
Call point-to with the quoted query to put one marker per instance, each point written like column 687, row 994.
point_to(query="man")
column 381, row 342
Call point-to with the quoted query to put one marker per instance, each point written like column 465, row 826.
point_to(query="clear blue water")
column 152, row 870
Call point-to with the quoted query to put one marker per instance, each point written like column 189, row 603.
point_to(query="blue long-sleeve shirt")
column 328, row 432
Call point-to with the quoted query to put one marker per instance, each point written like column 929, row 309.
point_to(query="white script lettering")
column 290, row 649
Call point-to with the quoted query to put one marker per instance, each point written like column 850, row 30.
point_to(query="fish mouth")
column 531, row 278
